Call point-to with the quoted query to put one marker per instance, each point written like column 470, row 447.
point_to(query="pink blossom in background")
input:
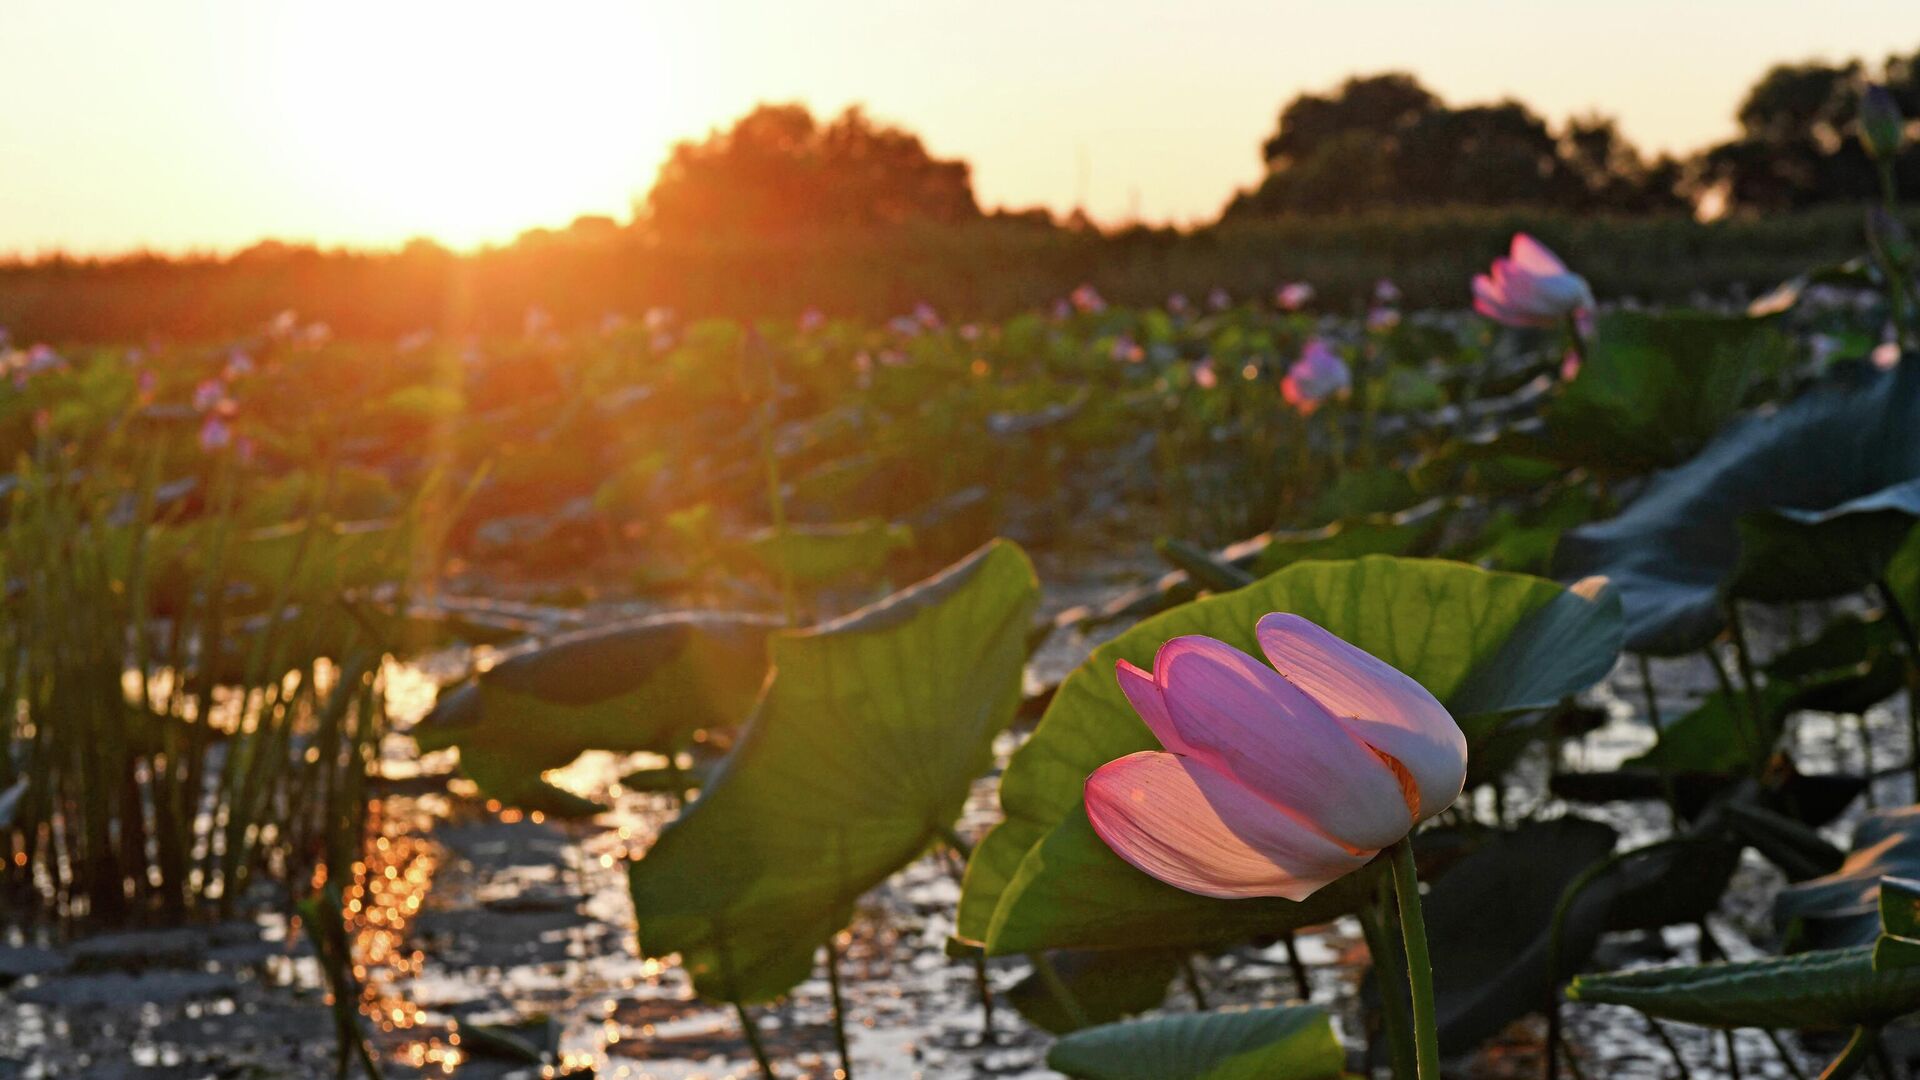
column 1319, row 374
column 1530, row 287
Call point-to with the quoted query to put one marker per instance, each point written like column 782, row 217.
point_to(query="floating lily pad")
column 642, row 685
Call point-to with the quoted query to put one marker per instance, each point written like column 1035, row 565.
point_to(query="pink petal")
column 1147, row 700
column 1533, row 256
column 1238, row 716
column 1382, row 705
column 1196, row 829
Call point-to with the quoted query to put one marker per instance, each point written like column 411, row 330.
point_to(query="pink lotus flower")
column 1219, row 299
column 1087, row 300
column 1319, row 374
column 1275, row 780
column 1530, row 287
column 1204, row 376
column 1293, row 296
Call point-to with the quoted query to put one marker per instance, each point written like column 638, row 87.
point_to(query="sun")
column 468, row 123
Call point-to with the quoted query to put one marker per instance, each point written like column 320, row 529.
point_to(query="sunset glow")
column 212, row 123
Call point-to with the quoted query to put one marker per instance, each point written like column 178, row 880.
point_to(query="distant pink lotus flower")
column 1319, row 374
column 811, row 320
column 1570, row 365
column 215, row 433
column 1219, row 299
column 208, row 395
column 1128, row 351
column 1087, row 300
column 1178, row 304
column 1204, row 375
column 1386, row 292
column 1383, row 318
column 1274, row 781
column 924, row 314
column 1293, row 296
column 1530, row 287
column 1886, row 355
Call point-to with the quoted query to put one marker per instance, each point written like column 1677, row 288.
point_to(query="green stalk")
column 1904, row 626
column 1389, row 975
column 1413, row 928
column 776, row 504
column 839, row 1008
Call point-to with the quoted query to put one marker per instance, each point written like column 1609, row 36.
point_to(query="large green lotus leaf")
column 641, row 685
column 1843, row 908
column 1288, row 1042
column 861, row 751
column 1653, row 388
column 826, row 554
column 1800, row 503
column 1487, row 644
column 1828, row 989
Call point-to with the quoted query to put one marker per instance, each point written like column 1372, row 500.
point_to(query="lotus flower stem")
column 1389, row 974
column 776, row 503
column 1659, row 735
column 1574, row 343
column 1854, row 1055
column 1786, row 1055
column 1192, row 977
column 1301, row 983
column 1413, row 928
column 752, row 1032
column 1904, row 626
column 1673, row 1050
column 839, row 1007
column 1748, row 737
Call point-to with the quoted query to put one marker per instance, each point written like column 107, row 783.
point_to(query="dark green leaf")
column 1800, row 503
column 1293, row 1042
column 1829, row 989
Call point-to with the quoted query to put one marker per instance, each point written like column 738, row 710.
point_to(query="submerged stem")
column 1413, row 928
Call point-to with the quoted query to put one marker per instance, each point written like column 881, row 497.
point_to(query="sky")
column 209, row 124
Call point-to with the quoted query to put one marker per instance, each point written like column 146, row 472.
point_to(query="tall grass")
column 192, row 703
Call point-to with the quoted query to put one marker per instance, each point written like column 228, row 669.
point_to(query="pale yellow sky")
column 207, row 124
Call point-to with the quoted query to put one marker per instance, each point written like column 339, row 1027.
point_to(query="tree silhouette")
column 777, row 170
